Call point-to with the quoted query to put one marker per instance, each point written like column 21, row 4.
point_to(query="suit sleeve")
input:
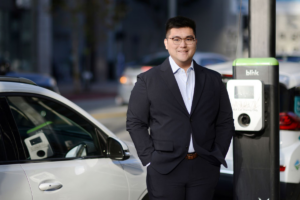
column 224, row 123
column 137, row 123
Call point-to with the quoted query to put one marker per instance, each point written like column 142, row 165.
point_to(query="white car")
column 128, row 79
column 52, row 149
column 289, row 79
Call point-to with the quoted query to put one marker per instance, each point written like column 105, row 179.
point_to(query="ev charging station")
column 254, row 97
column 247, row 99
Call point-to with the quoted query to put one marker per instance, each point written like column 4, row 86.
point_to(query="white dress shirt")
column 186, row 84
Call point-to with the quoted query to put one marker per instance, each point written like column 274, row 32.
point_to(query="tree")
column 89, row 17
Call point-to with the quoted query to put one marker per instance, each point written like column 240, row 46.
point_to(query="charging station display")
column 247, row 101
column 243, row 92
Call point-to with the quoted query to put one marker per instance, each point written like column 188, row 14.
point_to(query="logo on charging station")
column 252, row 72
column 297, row 164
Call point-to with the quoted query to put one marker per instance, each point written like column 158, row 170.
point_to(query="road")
column 114, row 118
column 109, row 114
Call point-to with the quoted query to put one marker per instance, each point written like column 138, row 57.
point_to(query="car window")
column 5, row 139
column 210, row 61
column 3, row 156
column 50, row 130
column 10, row 145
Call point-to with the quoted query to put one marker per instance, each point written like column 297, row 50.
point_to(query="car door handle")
column 50, row 186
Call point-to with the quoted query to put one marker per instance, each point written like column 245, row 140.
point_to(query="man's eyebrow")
column 185, row 37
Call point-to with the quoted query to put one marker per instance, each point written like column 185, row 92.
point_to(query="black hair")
column 180, row 22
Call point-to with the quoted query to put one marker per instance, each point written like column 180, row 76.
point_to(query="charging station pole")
column 256, row 153
column 262, row 32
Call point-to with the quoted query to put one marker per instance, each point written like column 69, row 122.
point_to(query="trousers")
column 191, row 180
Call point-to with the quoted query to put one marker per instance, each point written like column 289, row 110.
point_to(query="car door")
column 65, row 153
column 13, row 181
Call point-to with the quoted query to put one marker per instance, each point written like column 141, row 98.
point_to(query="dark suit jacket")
column 156, row 102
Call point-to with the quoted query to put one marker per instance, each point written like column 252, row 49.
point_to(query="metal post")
column 34, row 35
column 262, row 19
column 43, row 39
column 262, row 32
column 172, row 8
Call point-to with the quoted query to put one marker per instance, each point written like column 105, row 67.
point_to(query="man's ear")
column 166, row 43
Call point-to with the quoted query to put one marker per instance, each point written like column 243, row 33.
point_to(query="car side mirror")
column 115, row 150
column 77, row 151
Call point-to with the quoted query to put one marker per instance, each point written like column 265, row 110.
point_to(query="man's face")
column 181, row 53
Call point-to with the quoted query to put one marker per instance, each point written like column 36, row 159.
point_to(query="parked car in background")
column 289, row 58
column 52, row 149
column 128, row 79
column 289, row 124
column 42, row 80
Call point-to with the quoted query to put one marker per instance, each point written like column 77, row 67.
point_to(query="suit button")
column 190, row 120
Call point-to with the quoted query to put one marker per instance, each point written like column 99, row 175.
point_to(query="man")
column 188, row 111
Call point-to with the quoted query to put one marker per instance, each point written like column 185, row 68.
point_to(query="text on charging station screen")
column 244, row 92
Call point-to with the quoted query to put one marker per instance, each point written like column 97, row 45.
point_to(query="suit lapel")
column 168, row 76
column 199, row 85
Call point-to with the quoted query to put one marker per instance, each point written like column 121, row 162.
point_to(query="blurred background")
column 81, row 43
column 91, row 51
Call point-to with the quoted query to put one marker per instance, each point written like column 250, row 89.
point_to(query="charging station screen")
column 244, row 92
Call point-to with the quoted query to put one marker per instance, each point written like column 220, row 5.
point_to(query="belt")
column 191, row 156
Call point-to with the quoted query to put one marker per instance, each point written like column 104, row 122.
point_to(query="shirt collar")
column 175, row 67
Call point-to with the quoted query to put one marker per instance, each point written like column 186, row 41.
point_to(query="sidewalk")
column 96, row 91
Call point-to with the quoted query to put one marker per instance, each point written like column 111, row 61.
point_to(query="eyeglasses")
column 178, row 40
